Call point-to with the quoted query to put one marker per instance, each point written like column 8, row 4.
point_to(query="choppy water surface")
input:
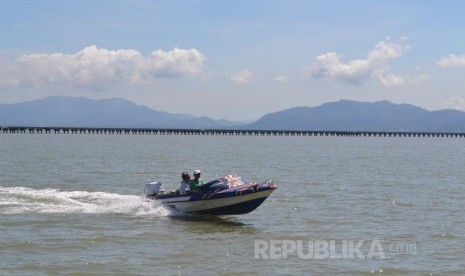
column 71, row 204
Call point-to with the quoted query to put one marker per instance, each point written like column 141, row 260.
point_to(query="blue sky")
column 234, row 59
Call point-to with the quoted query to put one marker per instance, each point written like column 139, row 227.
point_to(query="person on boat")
column 184, row 188
column 195, row 183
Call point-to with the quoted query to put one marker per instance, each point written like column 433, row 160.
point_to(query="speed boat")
column 229, row 195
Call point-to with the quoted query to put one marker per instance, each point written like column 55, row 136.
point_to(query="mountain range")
column 363, row 116
column 111, row 113
column 343, row 115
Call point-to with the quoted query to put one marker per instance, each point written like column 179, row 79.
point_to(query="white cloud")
column 330, row 66
column 451, row 60
column 242, row 77
column 389, row 79
column 93, row 67
column 281, row 79
column 457, row 103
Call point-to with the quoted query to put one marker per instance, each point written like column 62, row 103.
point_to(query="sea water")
column 72, row 204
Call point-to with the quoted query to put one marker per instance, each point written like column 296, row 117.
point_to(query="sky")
column 235, row 60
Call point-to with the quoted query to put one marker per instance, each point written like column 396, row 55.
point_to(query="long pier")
column 230, row 132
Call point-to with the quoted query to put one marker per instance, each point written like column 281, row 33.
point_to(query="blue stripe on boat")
column 236, row 209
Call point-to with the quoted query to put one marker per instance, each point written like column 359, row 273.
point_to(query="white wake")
column 23, row 200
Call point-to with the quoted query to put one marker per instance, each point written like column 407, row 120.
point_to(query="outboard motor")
column 154, row 188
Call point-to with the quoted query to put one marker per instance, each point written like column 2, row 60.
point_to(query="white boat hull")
column 183, row 204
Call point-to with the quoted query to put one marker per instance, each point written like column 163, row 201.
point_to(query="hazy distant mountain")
column 84, row 112
column 359, row 116
column 342, row 115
